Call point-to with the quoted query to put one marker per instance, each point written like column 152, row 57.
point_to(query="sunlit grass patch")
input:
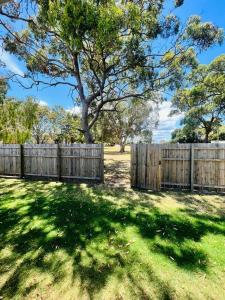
column 67, row 241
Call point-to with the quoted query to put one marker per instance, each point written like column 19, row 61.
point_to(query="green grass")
column 67, row 241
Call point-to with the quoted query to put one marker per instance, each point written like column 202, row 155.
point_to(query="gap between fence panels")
column 153, row 166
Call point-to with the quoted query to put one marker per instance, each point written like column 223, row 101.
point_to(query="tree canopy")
column 3, row 89
column 105, row 51
column 28, row 121
column 128, row 121
column 203, row 98
column 185, row 135
column 16, row 120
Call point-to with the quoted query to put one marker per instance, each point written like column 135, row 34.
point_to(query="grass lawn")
column 67, row 241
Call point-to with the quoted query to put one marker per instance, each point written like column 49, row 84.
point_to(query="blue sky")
column 209, row 11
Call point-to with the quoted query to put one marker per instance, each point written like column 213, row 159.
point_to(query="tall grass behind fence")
column 75, row 161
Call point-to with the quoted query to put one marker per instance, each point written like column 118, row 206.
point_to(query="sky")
column 209, row 11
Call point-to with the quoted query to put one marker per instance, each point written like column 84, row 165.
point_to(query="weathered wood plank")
column 182, row 166
column 49, row 160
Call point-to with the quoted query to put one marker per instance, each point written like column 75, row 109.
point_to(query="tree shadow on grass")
column 88, row 225
column 117, row 173
column 202, row 204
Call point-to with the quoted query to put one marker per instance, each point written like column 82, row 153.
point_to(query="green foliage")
column 107, row 50
column 203, row 100
column 28, row 121
column 3, row 89
column 55, row 126
column 125, row 122
column 219, row 134
column 65, row 126
column 184, row 135
column 204, row 34
column 16, row 120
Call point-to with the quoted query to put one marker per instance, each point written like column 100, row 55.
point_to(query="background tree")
column 219, row 134
column 3, row 89
column 203, row 100
column 184, row 135
column 103, row 50
column 55, row 126
column 65, row 126
column 42, row 128
column 28, row 121
column 127, row 121
column 16, row 120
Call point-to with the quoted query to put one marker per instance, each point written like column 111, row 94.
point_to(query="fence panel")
column 82, row 161
column 75, row 161
column 176, row 167
column 209, row 166
column 40, row 160
column 192, row 166
column 145, row 166
column 10, row 159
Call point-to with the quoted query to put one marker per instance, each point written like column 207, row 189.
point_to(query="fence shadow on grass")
column 87, row 226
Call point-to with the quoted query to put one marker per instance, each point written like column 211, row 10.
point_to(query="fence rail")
column 75, row 161
column 192, row 166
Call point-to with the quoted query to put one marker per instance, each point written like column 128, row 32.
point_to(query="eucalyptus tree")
column 104, row 51
column 54, row 125
column 127, row 121
column 42, row 127
column 203, row 99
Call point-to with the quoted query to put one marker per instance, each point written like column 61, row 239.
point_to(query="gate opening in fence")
column 61, row 161
column 189, row 166
column 153, row 166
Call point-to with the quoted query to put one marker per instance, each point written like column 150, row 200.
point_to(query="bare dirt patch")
column 117, row 167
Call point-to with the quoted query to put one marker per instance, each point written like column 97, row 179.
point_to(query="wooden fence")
column 62, row 161
column 191, row 166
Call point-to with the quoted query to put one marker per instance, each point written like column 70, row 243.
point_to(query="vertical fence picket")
column 190, row 166
column 75, row 161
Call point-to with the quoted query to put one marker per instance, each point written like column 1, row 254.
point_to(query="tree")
column 219, row 134
column 3, row 89
column 105, row 51
column 23, row 121
column 55, row 126
column 16, row 120
column 126, row 121
column 184, row 135
column 203, row 100
column 42, row 127
column 65, row 126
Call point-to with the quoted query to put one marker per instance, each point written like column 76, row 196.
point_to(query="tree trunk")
column 37, row 139
column 122, row 148
column 85, row 129
column 207, row 132
column 84, row 115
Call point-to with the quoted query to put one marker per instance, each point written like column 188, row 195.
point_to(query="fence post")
column 21, row 161
column 59, row 161
column 160, row 168
column 192, row 167
column 102, row 163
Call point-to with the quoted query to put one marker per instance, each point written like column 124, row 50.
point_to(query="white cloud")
column 43, row 103
column 76, row 110
column 166, row 123
column 9, row 62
